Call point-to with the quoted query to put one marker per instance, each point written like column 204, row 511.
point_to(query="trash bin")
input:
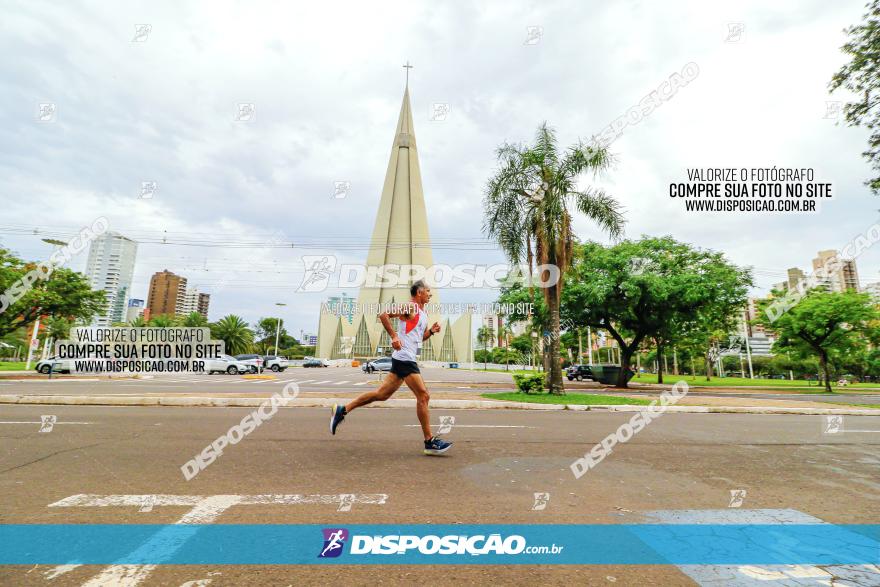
column 608, row 374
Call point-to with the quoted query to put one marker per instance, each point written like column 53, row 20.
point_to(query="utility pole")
column 278, row 328
column 590, row 345
column 748, row 352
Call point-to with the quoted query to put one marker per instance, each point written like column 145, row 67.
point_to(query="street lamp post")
column 56, row 245
column 278, row 328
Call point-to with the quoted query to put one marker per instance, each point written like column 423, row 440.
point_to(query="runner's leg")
column 391, row 384
column 417, row 385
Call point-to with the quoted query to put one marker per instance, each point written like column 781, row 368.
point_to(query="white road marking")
column 474, row 426
column 59, row 570
column 321, row 382
column 303, row 381
column 94, row 500
column 341, row 382
column 362, row 383
column 40, row 422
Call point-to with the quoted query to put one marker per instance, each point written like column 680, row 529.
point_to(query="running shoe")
column 336, row 417
column 436, row 446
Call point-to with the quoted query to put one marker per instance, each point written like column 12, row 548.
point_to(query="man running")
column 404, row 368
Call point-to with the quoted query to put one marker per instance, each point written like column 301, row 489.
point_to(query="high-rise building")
column 874, row 290
column 110, row 269
column 194, row 301
column 493, row 323
column 837, row 274
column 167, row 294
column 400, row 237
column 135, row 309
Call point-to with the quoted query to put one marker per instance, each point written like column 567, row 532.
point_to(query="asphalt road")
column 499, row 461
column 348, row 381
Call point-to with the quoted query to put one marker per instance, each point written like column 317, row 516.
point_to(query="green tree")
column 528, row 206
column 824, row 324
column 652, row 288
column 484, row 339
column 265, row 335
column 64, row 293
column 162, row 321
column 193, row 320
column 138, row 322
column 235, row 334
column 859, row 76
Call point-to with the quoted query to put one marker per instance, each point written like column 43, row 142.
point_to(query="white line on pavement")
column 471, row 426
column 362, row 383
column 39, row 422
column 341, row 382
column 321, row 382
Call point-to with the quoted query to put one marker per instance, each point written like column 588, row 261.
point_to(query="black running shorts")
column 404, row 368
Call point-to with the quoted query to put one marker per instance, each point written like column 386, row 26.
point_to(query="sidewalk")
column 207, row 400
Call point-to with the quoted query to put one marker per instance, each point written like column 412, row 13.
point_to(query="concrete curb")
column 319, row 402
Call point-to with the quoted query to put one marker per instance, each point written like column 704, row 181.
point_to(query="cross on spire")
column 407, row 67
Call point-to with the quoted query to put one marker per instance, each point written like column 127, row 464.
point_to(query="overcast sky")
column 326, row 81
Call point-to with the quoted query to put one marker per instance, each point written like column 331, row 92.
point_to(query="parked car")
column 226, row 364
column 380, row 364
column 579, row 372
column 275, row 363
column 254, row 362
column 315, row 363
column 54, row 365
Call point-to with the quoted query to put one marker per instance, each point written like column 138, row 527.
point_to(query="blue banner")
column 475, row 544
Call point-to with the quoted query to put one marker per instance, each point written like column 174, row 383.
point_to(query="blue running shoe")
column 436, row 446
column 336, row 418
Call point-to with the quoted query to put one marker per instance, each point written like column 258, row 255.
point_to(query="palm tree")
column 484, row 339
column 194, row 320
column 138, row 322
column 161, row 321
column 234, row 333
column 527, row 211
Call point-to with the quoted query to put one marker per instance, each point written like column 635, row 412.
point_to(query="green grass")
column 746, row 382
column 568, row 398
column 13, row 365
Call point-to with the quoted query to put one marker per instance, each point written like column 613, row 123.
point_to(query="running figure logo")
column 334, row 541
column 318, row 269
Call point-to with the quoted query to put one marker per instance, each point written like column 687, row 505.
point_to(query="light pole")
column 278, row 328
column 56, row 245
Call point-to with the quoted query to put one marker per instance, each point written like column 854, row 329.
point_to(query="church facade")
column 400, row 237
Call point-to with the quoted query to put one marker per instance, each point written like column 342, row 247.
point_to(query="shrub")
column 530, row 382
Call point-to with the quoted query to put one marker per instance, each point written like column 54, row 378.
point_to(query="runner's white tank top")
column 410, row 334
